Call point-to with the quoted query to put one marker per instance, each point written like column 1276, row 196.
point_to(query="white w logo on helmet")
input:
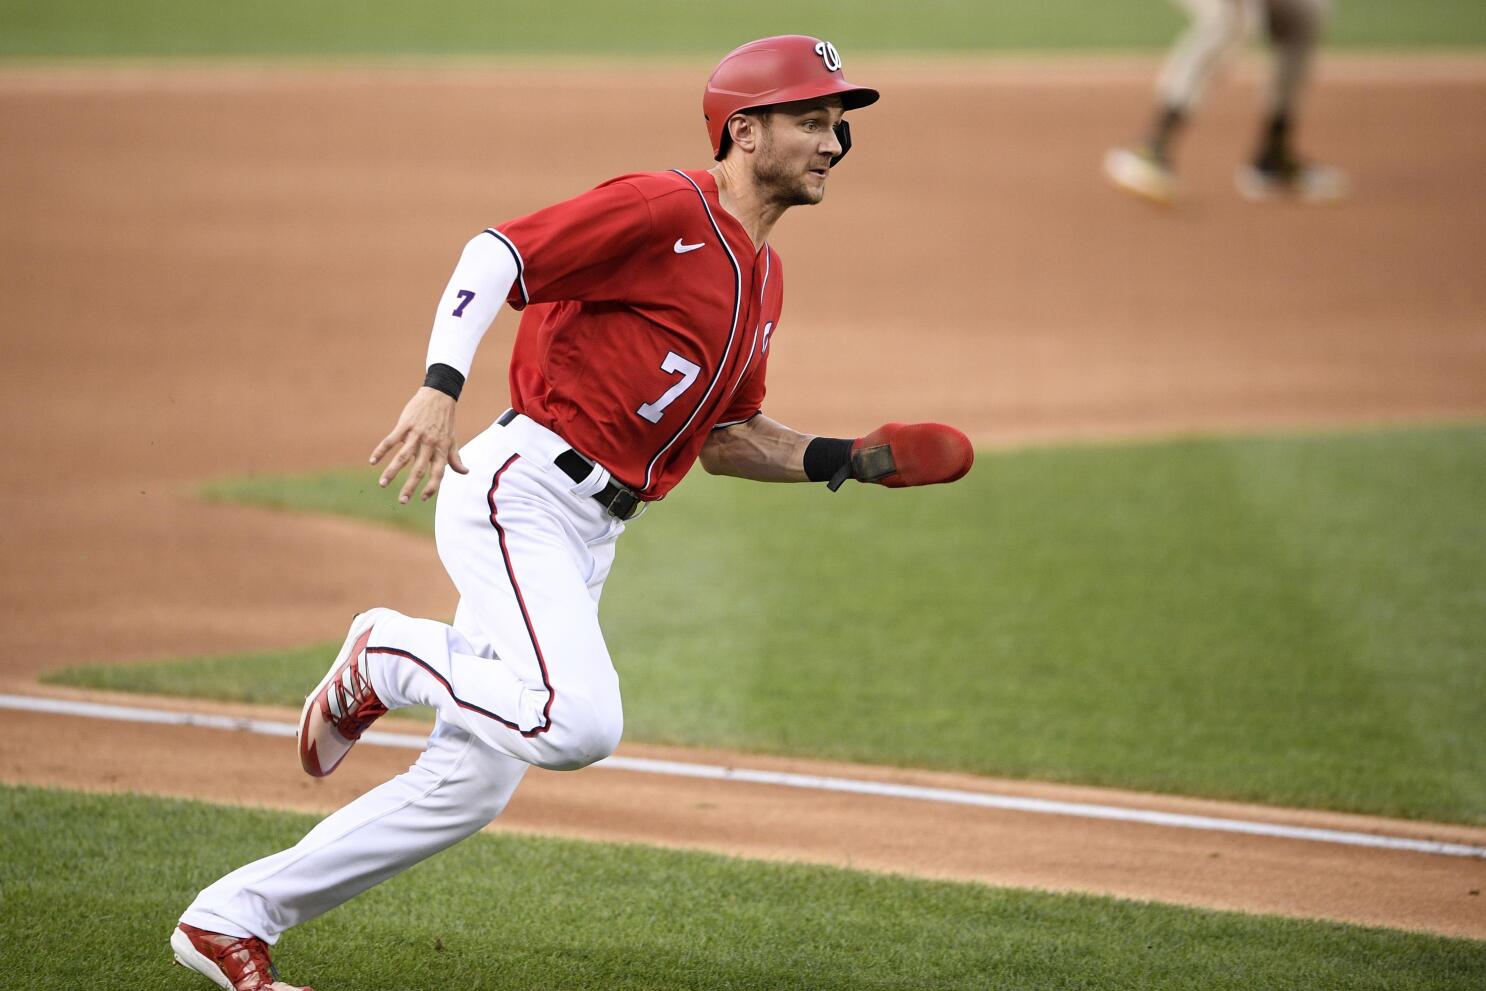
column 828, row 55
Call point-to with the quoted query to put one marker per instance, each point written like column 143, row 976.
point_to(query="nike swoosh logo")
column 682, row 249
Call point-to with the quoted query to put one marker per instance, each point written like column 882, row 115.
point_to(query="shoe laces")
column 248, row 958
column 356, row 701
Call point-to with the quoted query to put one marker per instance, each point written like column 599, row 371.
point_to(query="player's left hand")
column 902, row 454
column 426, row 432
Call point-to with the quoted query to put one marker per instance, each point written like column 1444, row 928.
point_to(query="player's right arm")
column 577, row 248
column 424, row 436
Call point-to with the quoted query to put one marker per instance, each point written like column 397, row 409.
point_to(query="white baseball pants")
column 522, row 677
column 1217, row 27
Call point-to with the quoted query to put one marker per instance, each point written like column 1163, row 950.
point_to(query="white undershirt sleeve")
column 479, row 285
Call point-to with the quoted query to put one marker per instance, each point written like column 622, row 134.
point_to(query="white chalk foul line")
column 854, row 786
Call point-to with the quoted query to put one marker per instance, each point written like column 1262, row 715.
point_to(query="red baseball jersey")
column 648, row 316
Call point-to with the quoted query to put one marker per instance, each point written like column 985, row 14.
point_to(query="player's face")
column 796, row 146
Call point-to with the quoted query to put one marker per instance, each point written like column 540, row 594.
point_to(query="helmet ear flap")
column 843, row 135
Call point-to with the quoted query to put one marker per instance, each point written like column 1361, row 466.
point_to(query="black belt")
column 620, row 500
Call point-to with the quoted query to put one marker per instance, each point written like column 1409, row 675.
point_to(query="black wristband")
column 825, row 456
column 445, row 378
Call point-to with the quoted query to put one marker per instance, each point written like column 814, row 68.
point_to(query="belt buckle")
column 625, row 505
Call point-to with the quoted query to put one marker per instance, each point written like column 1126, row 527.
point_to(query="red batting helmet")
column 776, row 70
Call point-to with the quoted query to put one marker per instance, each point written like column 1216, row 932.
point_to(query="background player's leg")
column 1215, row 28
column 456, row 787
column 1294, row 29
column 529, row 556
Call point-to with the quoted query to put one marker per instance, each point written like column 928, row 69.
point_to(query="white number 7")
column 675, row 364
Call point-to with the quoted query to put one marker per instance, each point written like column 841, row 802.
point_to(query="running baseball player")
column 1293, row 28
column 649, row 307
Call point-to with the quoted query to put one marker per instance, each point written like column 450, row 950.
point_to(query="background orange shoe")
column 1139, row 172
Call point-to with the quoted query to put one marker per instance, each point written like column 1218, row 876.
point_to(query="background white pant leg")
column 533, row 678
column 456, row 787
column 1216, row 28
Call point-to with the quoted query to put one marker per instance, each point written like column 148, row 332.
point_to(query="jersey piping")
column 732, row 332
column 520, row 266
column 753, row 348
column 734, row 423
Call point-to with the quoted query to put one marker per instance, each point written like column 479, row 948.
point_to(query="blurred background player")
column 1292, row 29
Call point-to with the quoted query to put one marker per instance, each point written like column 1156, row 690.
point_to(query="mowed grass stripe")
column 1289, row 620
column 91, row 886
column 438, row 27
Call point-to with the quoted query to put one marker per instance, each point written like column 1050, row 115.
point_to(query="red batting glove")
column 902, row 454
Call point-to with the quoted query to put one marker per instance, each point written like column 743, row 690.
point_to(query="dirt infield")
column 214, row 272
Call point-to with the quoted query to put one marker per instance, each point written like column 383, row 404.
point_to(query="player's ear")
column 743, row 130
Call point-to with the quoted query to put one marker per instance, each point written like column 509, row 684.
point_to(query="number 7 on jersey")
column 676, row 365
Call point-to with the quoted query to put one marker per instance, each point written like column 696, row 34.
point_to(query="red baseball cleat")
column 233, row 963
column 343, row 705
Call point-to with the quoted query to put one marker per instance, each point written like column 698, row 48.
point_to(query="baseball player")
column 1217, row 27
column 649, row 306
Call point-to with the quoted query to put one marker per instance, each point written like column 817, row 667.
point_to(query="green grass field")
column 1293, row 620
column 88, row 895
column 442, row 27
